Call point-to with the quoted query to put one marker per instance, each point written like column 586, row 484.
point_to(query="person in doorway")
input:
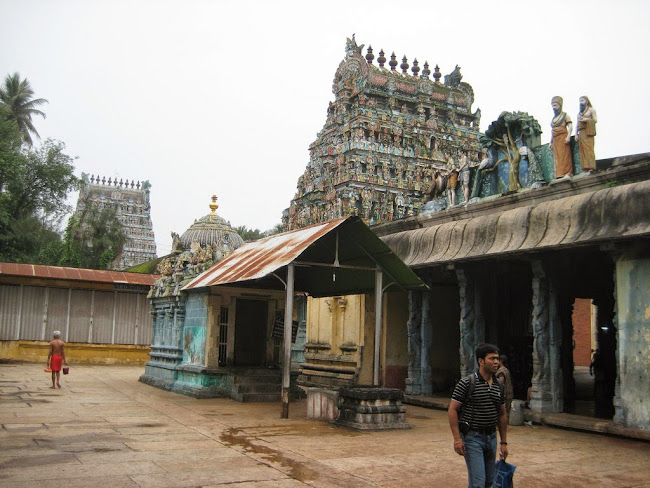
column 55, row 358
column 503, row 375
column 477, row 407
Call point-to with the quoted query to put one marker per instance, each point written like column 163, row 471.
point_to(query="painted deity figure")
column 464, row 176
column 452, row 180
column 561, row 129
column 585, row 134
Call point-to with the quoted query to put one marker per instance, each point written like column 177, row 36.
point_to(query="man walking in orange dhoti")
column 56, row 357
column 560, row 140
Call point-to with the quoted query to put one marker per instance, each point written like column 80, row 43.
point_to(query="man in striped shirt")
column 477, row 407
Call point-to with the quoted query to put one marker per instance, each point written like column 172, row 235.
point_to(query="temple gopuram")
column 133, row 209
column 390, row 131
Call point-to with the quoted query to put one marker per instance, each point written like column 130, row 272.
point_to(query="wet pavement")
column 104, row 428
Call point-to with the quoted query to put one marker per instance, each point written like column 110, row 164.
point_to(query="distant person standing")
column 56, row 357
column 477, row 407
column 503, row 375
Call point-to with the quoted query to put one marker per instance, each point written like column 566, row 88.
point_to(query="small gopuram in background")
column 388, row 132
column 178, row 346
column 133, row 209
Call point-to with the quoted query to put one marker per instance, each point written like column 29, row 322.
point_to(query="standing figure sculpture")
column 561, row 126
column 464, row 176
column 585, row 134
column 452, row 180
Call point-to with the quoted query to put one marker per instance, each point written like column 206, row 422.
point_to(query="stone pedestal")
column 372, row 408
column 322, row 404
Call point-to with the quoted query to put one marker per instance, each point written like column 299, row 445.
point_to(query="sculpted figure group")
column 562, row 126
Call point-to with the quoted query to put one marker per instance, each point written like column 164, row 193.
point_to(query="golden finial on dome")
column 214, row 205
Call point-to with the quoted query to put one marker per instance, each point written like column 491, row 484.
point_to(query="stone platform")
column 372, row 408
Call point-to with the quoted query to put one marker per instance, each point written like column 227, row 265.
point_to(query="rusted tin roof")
column 259, row 264
column 75, row 274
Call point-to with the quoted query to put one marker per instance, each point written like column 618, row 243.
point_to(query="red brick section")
column 582, row 332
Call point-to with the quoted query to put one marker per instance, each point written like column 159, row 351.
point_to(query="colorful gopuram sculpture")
column 387, row 133
column 133, row 209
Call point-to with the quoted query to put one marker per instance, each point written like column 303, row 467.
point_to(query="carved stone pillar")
column 158, row 319
column 169, row 324
column 547, row 392
column 179, row 321
column 426, row 331
column 619, row 415
column 414, row 325
column 471, row 326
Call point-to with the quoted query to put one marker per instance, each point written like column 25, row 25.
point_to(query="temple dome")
column 212, row 229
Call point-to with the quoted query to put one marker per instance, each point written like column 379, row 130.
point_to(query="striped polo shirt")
column 485, row 399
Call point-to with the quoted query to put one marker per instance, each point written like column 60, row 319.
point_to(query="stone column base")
column 372, row 408
column 322, row 404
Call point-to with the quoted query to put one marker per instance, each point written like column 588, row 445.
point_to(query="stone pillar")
column 158, row 318
column 547, row 394
column 179, row 321
column 471, row 326
column 426, row 331
column 414, row 325
column 621, row 340
column 169, row 324
column 298, row 347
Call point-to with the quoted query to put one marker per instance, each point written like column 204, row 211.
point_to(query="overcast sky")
column 203, row 97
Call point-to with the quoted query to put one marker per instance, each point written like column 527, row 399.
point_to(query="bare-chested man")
column 56, row 357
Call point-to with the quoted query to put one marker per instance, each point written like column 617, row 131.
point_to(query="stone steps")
column 258, row 386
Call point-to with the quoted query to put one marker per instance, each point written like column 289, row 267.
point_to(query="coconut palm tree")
column 17, row 96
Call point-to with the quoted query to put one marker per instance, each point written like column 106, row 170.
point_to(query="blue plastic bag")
column 503, row 475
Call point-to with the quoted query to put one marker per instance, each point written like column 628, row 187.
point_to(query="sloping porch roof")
column 338, row 257
column 605, row 215
column 75, row 274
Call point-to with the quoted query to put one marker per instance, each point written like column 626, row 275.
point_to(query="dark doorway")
column 250, row 332
column 587, row 273
column 507, row 308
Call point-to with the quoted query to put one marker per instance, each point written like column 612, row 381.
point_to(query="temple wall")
column 195, row 330
column 37, row 351
column 633, row 314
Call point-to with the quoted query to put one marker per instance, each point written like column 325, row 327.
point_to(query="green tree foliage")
column 94, row 237
column 255, row 234
column 34, row 184
column 249, row 234
column 17, row 96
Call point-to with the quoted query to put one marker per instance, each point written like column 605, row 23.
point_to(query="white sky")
column 203, row 97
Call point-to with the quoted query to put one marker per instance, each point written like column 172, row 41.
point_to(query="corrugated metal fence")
column 90, row 316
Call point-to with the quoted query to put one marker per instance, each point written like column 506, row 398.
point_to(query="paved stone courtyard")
column 104, row 428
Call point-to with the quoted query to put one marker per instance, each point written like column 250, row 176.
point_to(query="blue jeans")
column 480, row 456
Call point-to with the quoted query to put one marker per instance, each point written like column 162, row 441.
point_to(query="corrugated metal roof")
column 75, row 274
column 357, row 245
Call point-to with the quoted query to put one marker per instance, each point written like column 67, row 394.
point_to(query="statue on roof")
column 351, row 47
column 454, row 78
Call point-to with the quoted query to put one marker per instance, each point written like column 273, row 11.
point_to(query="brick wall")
column 582, row 332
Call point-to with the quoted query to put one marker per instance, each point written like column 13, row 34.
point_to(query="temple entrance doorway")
column 584, row 345
column 250, row 332
column 585, row 285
